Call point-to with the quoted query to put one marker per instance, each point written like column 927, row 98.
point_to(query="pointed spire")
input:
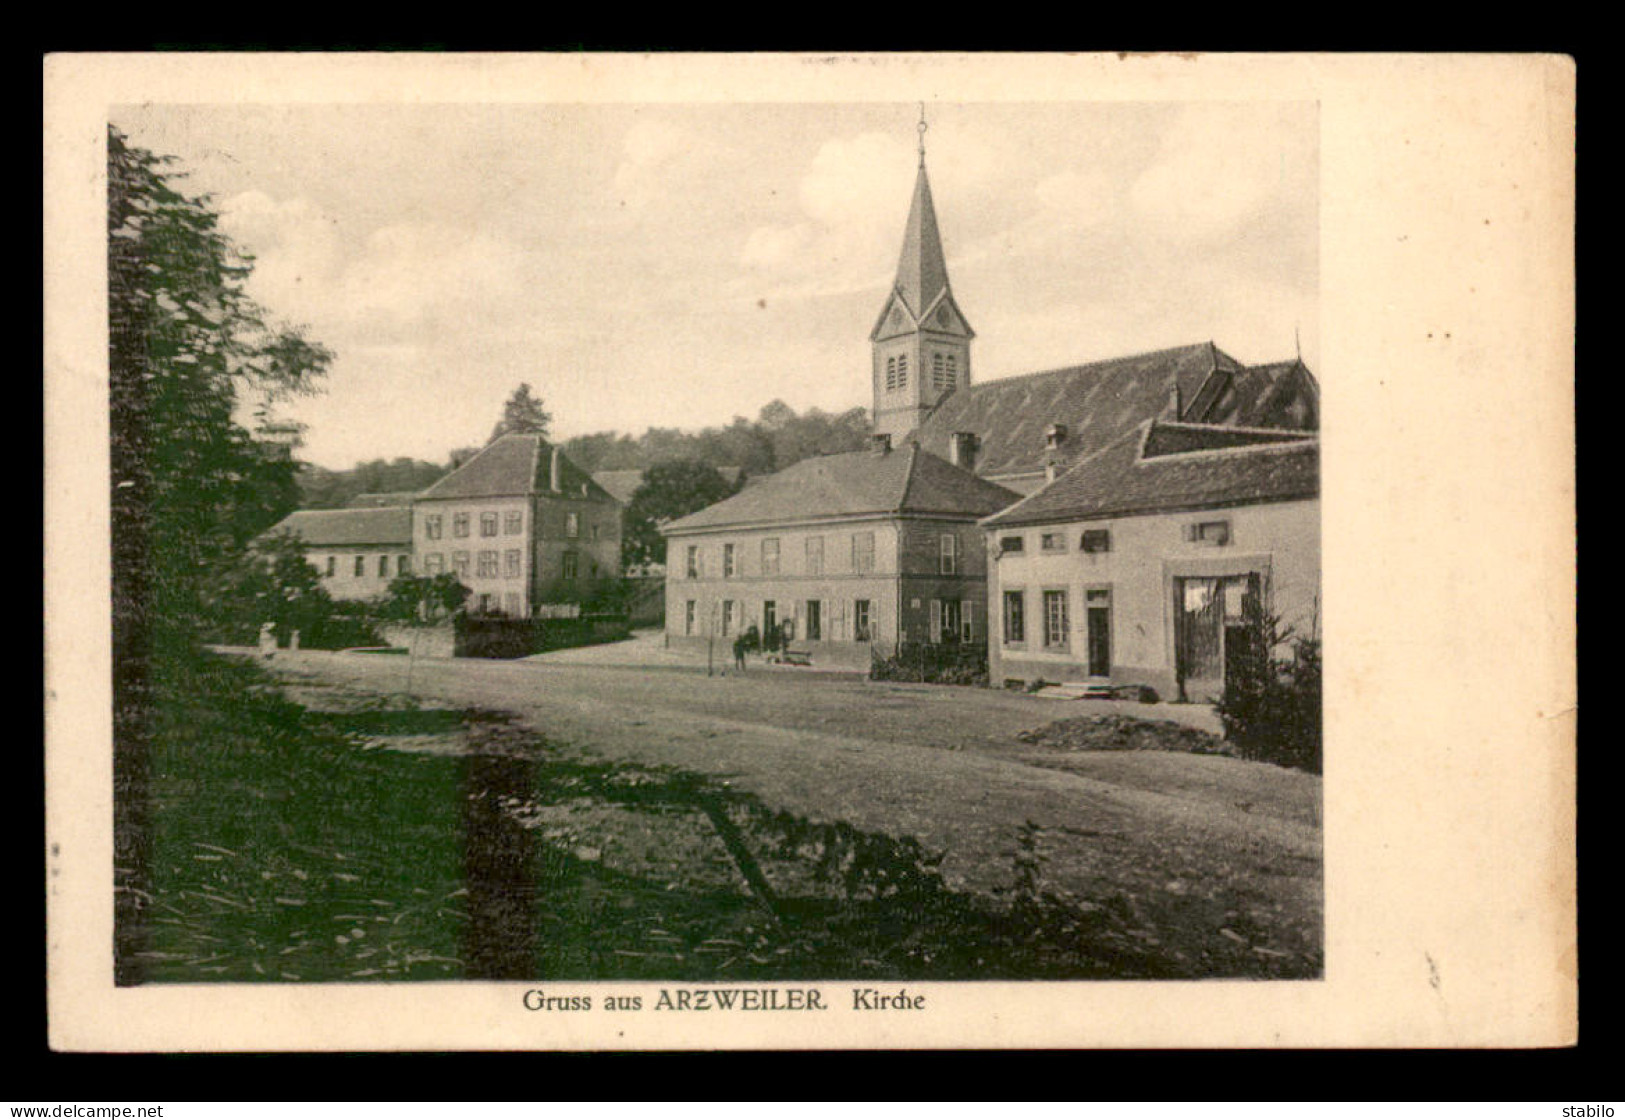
column 922, row 272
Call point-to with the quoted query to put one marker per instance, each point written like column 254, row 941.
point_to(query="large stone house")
column 841, row 554
column 521, row 526
column 518, row 524
column 1135, row 566
column 1138, row 450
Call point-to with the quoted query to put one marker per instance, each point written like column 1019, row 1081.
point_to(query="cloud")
column 852, row 201
column 1219, row 166
column 649, row 149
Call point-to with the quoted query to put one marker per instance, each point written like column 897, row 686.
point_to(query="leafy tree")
column 522, row 413
column 271, row 582
column 669, row 490
column 424, row 598
column 190, row 486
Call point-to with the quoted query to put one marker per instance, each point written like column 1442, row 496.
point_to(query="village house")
column 521, row 526
column 840, row 554
column 357, row 552
column 1136, row 566
column 518, row 524
column 1108, row 466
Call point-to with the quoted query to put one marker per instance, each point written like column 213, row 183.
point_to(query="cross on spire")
column 922, row 127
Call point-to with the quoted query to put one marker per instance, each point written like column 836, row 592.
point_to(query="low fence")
column 521, row 637
column 944, row 663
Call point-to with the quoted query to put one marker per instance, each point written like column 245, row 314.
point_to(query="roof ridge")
column 1085, row 365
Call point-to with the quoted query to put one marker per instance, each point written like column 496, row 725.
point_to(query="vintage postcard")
column 919, row 551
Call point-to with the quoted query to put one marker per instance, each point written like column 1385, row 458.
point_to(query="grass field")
column 359, row 836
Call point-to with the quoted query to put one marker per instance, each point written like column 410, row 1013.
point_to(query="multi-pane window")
column 860, row 620
column 487, row 564
column 948, row 554
column 1055, row 618
column 770, row 556
column 815, row 556
column 432, row 524
column 459, row 524
column 488, row 604
column 1096, row 540
column 815, row 620
column 1015, row 617
column 693, row 568
column 383, row 567
column 513, row 522
column 403, row 565
column 360, row 566
column 863, row 551
column 727, row 616
column 770, row 617
column 510, row 563
column 572, row 524
column 459, row 564
column 1012, row 544
column 728, row 561
column 688, row 617
column 434, row 563
column 488, row 524
column 332, row 565
column 570, row 564
column 1052, row 542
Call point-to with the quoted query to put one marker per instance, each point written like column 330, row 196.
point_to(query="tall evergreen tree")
column 522, row 413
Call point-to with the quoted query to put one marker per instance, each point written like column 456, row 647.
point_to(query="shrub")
column 1271, row 706
column 963, row 663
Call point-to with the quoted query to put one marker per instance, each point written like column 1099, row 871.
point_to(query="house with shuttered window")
column 841, row 554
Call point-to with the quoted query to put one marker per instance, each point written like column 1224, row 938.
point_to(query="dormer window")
column 1054, row 436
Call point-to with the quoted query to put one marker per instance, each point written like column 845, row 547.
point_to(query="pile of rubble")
column 1122, row 733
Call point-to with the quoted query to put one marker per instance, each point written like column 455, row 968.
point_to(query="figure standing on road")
column 739, row 653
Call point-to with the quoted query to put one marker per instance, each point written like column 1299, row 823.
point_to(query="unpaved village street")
column 1217, row 856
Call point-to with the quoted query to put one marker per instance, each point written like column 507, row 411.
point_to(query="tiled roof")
column 1276, row 395
column 1121, row 481
column 1096, row 402
column 348, row 526
column 1168, row 438
column 515, row 464
column 907, row 480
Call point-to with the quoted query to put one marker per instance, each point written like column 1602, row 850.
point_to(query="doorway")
column 1210, row 630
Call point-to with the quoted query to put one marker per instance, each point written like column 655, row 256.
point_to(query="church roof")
column 1158, row 466
column 904, row 481
column 1096, row 402
column 516, row 464
column 333, row 527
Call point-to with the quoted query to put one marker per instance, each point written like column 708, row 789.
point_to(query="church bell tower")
column 921, row 342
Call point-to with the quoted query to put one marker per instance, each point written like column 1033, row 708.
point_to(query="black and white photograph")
column 661, row 554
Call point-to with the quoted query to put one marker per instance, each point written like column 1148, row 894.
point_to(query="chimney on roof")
column 962, row 450
column 880, row 443
column 1054, row 436
column 554, row 479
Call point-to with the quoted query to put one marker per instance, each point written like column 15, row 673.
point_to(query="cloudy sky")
column 679, row 265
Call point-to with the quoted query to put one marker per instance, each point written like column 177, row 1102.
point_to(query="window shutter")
column 936, row 620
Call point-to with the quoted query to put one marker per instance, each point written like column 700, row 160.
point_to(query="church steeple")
column 921, row 342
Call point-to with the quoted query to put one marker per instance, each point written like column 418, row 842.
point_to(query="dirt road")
column 1220, row 855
